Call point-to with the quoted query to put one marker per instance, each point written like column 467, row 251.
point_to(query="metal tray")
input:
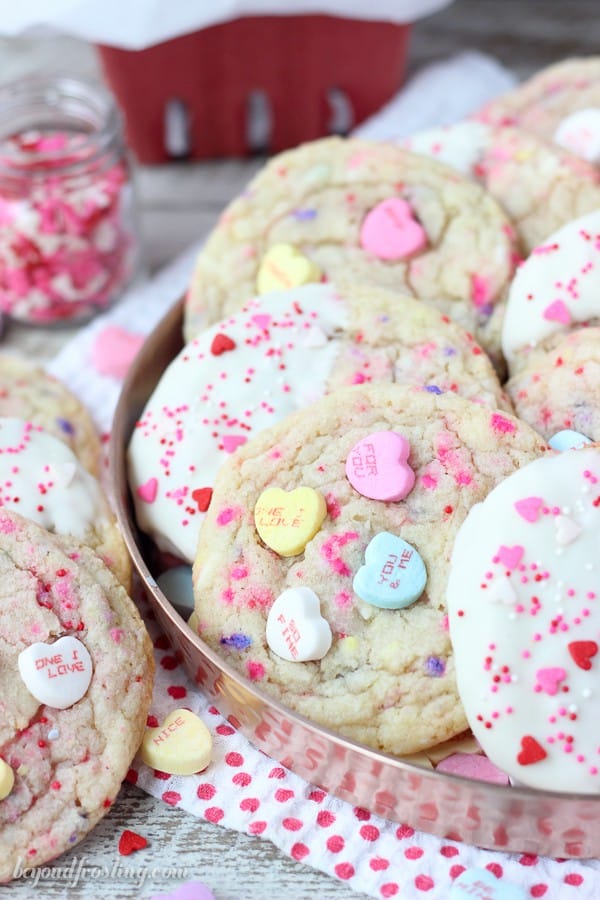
column 487, row 815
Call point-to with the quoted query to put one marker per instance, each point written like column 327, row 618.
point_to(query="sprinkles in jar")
column 67, row 241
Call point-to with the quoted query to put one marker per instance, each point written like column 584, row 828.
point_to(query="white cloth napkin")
column 242, row 789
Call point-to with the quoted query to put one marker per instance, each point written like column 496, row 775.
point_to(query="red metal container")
column 302, row 71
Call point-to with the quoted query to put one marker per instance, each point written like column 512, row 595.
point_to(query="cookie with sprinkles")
column 555, row 290
column 558, row 388
column 372, row 212
column 29, row 392
column 560, row 103
column 42, row 479
column 322, row 563
column 76, row 684
column 525, row 622
column 280, row 352
column 539, row 185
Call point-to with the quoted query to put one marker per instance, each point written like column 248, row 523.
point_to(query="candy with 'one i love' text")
column 182, row 745
column 58, row 674
column 296, row 630
column 377, row 466
column 287, row 520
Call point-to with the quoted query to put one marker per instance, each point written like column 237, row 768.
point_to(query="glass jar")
column 68, row 245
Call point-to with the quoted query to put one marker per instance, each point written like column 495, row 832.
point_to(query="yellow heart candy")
column 182, row 745
column 7, row 779
column 284, row 267
column 287, row 521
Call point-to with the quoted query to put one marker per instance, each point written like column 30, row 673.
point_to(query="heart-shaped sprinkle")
column 501, row 590
column 531, row 751
column 7, row 779
column 510, row 556
column 394, row 574
column 262, row 321
column 182, row 745
column 287, row 521
column 57, row 674
column 582, row 653
column 202, row 496
column 284, row 267
column 295, row 629
column 148, row 491
column 130, row 841
column 557, row 312
column 232, row 441
column 377, row 466
column 567, row 530
column 529, row 508
column 480, row 884
column 549, row 679
column 221, row 343
column 390, row 231
column 568, row 440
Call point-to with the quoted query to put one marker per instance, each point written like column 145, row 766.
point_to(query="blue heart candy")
column 479, row 884
column 567, row 440
column 394, row 574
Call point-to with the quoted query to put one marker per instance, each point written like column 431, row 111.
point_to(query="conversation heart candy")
column 394, row 574
column 390, row 231
column 482, row 884
column 579, row 132
column 472, row 765
column 377, row 466
column 7, row 779
column 57, row 674
column 568, row 440
column 283, row 267
column 182, row 745
column 287, row 521
column 295, row 629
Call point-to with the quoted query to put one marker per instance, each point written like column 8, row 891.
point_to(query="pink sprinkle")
column 502, row 425
column 358, row 378
column 116, row 634
column 227, row 596
column 333, row 507
column 330, row 548
column 239, row 572
column 557, row 312
column 480, row 290
column 256, row 670
column 227, row 515
column 343, row 599
column 428, row 481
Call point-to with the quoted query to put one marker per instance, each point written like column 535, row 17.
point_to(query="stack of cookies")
column 76, row 666
column 384, row 343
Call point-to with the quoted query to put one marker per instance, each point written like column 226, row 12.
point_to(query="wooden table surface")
column 178, row 205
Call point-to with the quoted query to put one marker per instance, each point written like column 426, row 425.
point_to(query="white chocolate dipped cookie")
column 75, row 689
column 277, row 354
column 556, row 289
column 322, row 563
column 42, row 479
column 525, row 622
column 539, row 185
column 561, row 103
column 365, row 211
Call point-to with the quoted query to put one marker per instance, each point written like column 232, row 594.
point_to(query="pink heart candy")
column 549, row 679
column 510, row 556
column 376, row 466
column 147, row 491
column 558, row 312
column 390, row 230
column 529, row 508
column 472, row 765
column 232, row 441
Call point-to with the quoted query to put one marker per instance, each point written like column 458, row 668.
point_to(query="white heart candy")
column 567, row 530
column 296, row 630
column 502, row 591
column 57, row 674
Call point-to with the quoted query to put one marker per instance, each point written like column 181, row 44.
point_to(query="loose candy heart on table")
column 394, row 575
column 284, row 267
column 295, row 629
column 390, row 230
column 377, row 466
column 182, row 745
column 58, row 674
column 7, row 779
column 287, row 520
column 479, row 883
